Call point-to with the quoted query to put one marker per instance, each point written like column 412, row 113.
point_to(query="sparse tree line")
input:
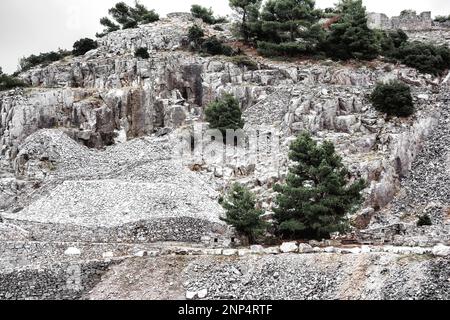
column 276, row 28
column 297, row 28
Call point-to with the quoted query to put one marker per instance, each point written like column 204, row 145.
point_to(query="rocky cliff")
column 95, row 150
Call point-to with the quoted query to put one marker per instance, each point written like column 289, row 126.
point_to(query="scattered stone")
column 108, row 255
column 230, row 252
column 190, row 295
column 257, row 249
column 72, row 251
column 305, row 248
column 289, row 247
column 441, row 250
column 202, row 294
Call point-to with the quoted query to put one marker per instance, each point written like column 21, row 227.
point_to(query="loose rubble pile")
column 288, row 276
column 92, row 175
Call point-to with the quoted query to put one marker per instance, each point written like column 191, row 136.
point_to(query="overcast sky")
column 35, row 26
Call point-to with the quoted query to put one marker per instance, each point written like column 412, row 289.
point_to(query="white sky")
column 34, row 26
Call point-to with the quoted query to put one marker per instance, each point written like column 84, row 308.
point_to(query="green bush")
column 84, row 45
column 427, row 58
column 317, row 195
column 393, row 98
column 350, row 37
column 196, row 35
column 44, row 59
column 241, row 213
column 244, row 62
column 224, row 114
column 9, row 82
column 127, row 17
column 391, row 41
column 442, row 18
column 424, row 220
column 214, row 46
column 199, row 12
column 142, row 53
column 290, row 49
column 149, row 17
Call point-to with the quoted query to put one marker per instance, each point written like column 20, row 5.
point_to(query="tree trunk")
column 244, row 26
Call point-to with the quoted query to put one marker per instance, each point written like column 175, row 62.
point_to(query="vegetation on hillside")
column 393, row 98
column 350, row 37
column 317, row 195
column 248, row 11
column 211, row 45
column 84, row 45
column 142, row 53
column 8, row 82
column 44, row 59
column 124, row 16
column 291, row 28
column 425, row 57
column 424, row 220
column 442, row 18
column 224, row 114
column 207, row 15
column 242, row 214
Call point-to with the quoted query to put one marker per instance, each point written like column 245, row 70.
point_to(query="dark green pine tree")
column 224, row 114
column 248, row 11
column 287, row 16
column 350, row 37
column 317, row 195
column 242, row 214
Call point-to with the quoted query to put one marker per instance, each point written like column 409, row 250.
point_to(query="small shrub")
column 424, row 220
column 218, row 28
column 393, row 98
column 196, row 35
column 427, row 58
column 214, row 46
column 391, row 41
column 442, row 18
column 199, row 12
column 242, row 214
column 224, row 114
column 84, row 45
column 221, row 20
column 9, row 82
column 206, row 15
column 44, row 59
column 149, row 17
column 244, row 61
column 142, row 53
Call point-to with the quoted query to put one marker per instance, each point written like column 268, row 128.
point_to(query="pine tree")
column 242, row 214
column 350, row 37
column 248, row 10
column 224, row 114
column 317, row 195
column 287, row 16
column 127, row 17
